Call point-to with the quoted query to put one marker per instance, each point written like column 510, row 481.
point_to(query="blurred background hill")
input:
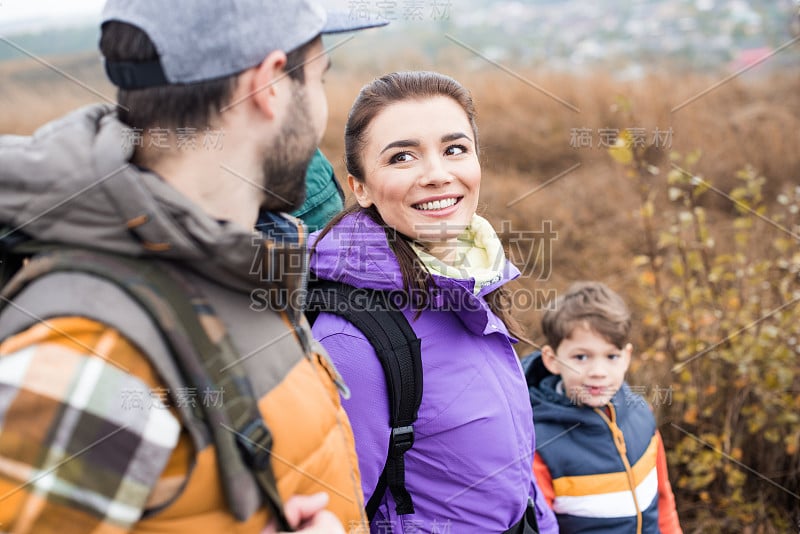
column 563, row 34
column 708, row 92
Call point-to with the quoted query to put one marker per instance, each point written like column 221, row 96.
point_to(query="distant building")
column 749, row 57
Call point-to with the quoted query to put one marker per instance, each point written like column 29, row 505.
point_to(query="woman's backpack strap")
column 398, row 349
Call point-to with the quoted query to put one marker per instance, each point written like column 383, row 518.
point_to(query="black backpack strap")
column 398, row 349
column 528, row 524
column 243, row 441
column 12, row 252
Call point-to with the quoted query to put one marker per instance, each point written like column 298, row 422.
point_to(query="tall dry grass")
column 525, row 137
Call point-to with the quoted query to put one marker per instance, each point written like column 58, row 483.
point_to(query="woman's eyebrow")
column 400, row 143
column 453, row 136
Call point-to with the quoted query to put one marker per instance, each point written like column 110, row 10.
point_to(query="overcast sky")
column 25, row 10
column 18, row 10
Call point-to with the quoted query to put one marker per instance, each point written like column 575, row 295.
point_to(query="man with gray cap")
column 140, row 390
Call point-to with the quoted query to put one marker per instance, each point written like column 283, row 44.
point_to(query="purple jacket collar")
column 357, row 252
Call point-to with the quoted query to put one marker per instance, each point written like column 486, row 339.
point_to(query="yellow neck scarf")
column 479, row 255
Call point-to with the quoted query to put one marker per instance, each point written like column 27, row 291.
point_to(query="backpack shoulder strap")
column 242, row 440
column 398, row 349
column 14, row 248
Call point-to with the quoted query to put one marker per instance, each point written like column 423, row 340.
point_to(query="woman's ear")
column 550, row 360
column 360, row 191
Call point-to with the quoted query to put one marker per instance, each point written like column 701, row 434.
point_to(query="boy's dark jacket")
column 577, row 444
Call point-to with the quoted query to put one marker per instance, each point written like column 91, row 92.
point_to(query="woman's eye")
column 400, row 157
column 455, row 150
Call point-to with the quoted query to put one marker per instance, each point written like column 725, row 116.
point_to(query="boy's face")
column 592, row 368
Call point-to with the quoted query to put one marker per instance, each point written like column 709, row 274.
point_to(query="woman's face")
column 420, row 169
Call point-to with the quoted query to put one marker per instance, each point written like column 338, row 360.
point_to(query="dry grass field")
column 528, row 135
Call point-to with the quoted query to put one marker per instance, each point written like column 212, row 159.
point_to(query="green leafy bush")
column 721, row 308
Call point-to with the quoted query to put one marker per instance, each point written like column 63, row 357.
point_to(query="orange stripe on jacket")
column 579, row 486
column 668, row 521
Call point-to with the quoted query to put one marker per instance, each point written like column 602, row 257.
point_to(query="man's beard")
column 287, row 160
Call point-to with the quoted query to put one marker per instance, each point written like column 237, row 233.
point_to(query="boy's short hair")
column 590, row 304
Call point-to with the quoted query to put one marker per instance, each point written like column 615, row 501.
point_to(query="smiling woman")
column 412, row 159
column 426, row 184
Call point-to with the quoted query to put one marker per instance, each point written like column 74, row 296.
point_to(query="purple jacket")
column 470, row 469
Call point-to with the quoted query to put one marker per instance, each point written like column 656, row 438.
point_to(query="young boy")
column 599, row 459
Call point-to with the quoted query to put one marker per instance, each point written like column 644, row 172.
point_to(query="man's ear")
column 265, row 84
column 550, row 360
column 360, row 191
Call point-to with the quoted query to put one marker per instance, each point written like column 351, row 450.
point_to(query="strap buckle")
column 402, row 439
column 255, row 442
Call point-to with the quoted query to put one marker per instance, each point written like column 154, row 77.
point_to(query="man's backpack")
column 398, row 349
column 237, row 428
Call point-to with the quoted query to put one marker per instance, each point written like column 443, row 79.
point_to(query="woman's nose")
column 436, row 172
